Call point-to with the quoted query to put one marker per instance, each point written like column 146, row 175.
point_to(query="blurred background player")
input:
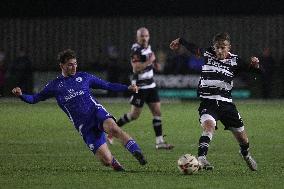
column 143, row 63
column 214, row 90
column 90, row 118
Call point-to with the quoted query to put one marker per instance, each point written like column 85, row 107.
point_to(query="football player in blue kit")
column 72, row 91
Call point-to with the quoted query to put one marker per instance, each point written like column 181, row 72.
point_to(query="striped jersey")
column 216, row 80
column 145, row 78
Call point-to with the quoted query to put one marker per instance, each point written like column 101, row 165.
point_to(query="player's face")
column 69, row 68
column 222, row 49
column 143, row 37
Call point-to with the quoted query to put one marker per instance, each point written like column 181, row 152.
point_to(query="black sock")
column 123, row 120
column 244, row 149
column 203, row 145
column 157, row 125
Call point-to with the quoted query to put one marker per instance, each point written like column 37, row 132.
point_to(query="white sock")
column 201, row 157
column 159, row 139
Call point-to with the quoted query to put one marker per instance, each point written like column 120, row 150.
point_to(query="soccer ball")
column 188, row 164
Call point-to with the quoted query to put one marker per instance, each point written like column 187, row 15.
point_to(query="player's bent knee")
column 237, row 130
column 208, row 122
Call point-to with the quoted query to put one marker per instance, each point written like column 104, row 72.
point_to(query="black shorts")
column 226, row 112
column 145, row 95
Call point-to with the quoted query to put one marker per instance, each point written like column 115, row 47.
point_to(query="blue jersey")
column 74, row 96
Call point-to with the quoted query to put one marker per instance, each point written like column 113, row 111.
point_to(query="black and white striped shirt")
column 216, row 80
column 145, row 78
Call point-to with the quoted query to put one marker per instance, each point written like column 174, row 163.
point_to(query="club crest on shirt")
column 60, row 84
column 79, row 79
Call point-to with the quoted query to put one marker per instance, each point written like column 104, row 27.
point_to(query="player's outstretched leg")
column 155, row 108
column 105, row 156
column 122, row 121
column 208, row 124
column 242, row 138
column 126, row 118
column 130, row 144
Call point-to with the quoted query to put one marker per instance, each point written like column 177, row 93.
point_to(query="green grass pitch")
column 39, row 148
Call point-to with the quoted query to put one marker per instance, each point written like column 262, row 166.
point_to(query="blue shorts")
column 92, row 132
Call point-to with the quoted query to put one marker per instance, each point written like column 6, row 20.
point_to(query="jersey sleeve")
column 243, row 66
column 193, row 48
column 46, row 93
column 95, row 82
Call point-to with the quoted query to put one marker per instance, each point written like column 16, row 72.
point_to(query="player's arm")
column 139, row 65
column 252, row 66
column 35, row 98
column 96, row 82
column 194, row 49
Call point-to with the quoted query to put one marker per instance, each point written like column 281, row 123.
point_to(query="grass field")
column 39, row 148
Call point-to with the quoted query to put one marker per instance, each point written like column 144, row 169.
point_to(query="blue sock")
column 132, row 146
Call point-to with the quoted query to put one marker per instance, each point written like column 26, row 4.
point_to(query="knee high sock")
column 123, row 120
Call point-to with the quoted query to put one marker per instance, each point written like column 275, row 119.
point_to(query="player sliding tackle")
column 214, row 90
column 90, row 118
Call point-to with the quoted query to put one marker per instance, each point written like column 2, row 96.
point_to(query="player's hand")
column 157, row 66
column 254, row 62
column 17, row 91
column 175, row 44
column 152, row 57
column 134, row 88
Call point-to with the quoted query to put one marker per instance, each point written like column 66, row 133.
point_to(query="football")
column 188, row 164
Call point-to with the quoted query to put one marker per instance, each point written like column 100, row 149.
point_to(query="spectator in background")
column 161, row 60
column 178, row 63
column 20, row 71
column 268, row 63
column 195, row 64
column 281, row 70
column 112, row 67
column 2, row 72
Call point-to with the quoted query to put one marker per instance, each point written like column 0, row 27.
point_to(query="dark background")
column 42, row 28
column 50, row 8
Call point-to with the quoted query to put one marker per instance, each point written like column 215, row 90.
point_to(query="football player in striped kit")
column 214, row 90
column 143, row 63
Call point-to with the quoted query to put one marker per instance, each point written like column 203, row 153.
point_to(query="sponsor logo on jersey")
column 73, row 94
